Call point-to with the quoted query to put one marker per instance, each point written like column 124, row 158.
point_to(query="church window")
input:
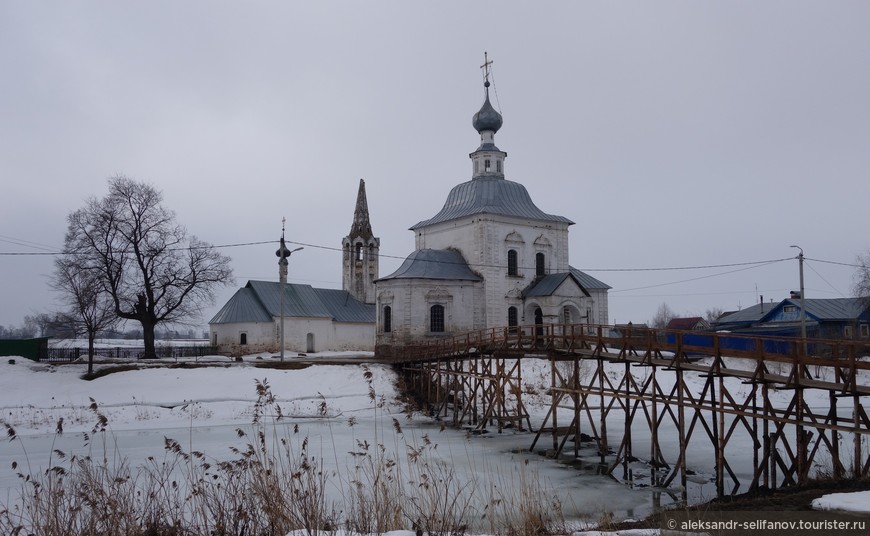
column 243, row 339
column 539, row 322
column 512, row 262
column 359, row 251
column 476, row 166
column 566, row 315
column 436, row 319
column 512, row 318
column 498, row 166
column 388, row 319
column 487, row 165
column 540, row 264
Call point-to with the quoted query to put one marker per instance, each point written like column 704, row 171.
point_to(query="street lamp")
column 283, row 253
column 800, row 259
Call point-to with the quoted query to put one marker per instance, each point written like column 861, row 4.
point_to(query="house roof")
column 831, row 309
column 824, row 310
column 260, row 301
column 685, row 323
column 490, row 195
column 749, row 315
column 434, row 264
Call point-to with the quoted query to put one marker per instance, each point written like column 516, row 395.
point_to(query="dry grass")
column 271, row 486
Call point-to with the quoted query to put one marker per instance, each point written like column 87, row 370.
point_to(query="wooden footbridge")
column 639, row 382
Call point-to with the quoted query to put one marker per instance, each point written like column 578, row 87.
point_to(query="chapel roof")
column 260, row 301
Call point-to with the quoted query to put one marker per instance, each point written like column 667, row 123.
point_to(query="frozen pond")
column 489, row 465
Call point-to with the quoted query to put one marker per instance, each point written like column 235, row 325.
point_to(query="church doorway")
column 539, row 322
column 309, row 342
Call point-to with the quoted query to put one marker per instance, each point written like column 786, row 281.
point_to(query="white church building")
column 489, row 258
column 315, row 319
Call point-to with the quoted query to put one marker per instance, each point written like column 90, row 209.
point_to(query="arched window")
column 566, row 315
column 388, row 319
column 512, row 262
column 512, row 317
column 359, row 251
column 540, row 265
column 436, row 319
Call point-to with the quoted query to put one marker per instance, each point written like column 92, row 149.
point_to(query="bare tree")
column 862, row 278
column 91, row 308
column 153, row 271
column 663, row 315
column 713, row 313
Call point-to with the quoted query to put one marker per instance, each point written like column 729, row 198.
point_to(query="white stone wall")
column 260, row 337
column 484, row 242
column 329, row 336
column 265, row 337
column 411, row 300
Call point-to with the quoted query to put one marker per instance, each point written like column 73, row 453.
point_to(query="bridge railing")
column 679, row 344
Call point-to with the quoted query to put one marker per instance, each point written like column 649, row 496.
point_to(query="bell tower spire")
column 360, row 252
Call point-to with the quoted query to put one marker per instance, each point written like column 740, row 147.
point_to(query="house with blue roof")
column 831, row 318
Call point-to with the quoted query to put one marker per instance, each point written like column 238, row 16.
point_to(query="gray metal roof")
column 753, row 313
column 490, row 195
column 828, row 309
column 832, row 308
column 344, row 307
column 587, row 281
column 260, row 301
column 243, row 304
column 547, row 285
column 434, row 264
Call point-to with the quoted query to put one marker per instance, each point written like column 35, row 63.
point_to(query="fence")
column 128, row 352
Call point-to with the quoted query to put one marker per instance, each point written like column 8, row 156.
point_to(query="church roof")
column 587, row 281
column 244, row 304
column 548, row 284
column 490, row 195
column 434, row 264
column 260, row 301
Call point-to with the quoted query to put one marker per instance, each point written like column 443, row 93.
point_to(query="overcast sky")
column 676, row 134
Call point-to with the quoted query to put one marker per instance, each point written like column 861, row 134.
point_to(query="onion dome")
column 487, row 118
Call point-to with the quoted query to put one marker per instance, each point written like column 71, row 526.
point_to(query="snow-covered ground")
column 858, row 501
column 334, row 406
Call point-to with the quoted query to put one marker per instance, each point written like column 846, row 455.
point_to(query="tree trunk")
column 91, row 337
column 148, row 336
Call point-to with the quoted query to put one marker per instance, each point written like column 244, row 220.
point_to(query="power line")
column 746, row 265
column 834, row 262
column 755, row 265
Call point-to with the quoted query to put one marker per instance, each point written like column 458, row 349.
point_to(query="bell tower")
column 360, row 252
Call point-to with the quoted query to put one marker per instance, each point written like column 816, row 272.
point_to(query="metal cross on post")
column 486, row 63
column 283, row 253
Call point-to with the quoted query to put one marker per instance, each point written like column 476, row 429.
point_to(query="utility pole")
column 800, row 259
column 283, row 254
